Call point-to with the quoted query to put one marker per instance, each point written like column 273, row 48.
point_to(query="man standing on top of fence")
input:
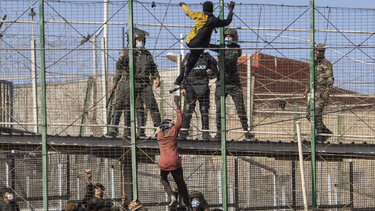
column 323, row 84
column 200, row 35
column 145, row 71
column 233, row 85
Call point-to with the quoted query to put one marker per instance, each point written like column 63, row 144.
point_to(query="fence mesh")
column 83, row 41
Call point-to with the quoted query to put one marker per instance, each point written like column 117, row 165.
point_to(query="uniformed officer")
column 233, row 85
column 323, row 84
column 8, row 202
column 145, row 70
column 197, row 89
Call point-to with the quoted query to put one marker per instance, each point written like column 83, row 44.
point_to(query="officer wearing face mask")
column 198, row 203
column 145, row 72
column 233, row 85
column 8, row 203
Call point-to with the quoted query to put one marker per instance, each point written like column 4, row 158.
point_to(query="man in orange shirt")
column 170, row 161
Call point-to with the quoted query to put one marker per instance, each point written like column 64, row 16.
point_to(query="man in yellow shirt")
column 200, row 35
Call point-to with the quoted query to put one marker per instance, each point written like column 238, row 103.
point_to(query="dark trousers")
column 193, row 56
column 146, row 97
column 142, row 96
column 190, row 101
column 178, row 177
column 122, row 105
column 236, row 93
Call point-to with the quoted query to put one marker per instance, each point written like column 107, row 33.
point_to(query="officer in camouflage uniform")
column 323, row 84
column 233, row 85
column 197, row 89
column 145, row 70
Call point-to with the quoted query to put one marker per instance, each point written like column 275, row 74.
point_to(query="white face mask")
column 10, row 197
column 140, row 45
column 195, row 204
column 228, row 41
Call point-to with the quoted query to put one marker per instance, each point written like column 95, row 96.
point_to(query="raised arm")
column 226, row 22
column 178, row 123
column 192, row 14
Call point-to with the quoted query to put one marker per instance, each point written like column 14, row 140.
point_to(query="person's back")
column 200, row 35
column 169, row 157
column 205, row 23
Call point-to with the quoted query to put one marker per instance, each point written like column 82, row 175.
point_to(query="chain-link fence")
column 83, row 41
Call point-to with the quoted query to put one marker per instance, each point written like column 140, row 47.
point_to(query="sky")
column 330, row 3
column 359, row 67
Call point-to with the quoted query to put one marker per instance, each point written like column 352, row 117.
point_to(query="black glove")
column 231, row 5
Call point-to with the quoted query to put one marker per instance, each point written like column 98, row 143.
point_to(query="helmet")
column 233, row 32
column 99, row 185
column 196, row 194
column 320, row 47
column 4, row 190
column 138, row 33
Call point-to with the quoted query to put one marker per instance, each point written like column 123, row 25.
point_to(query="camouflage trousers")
column 236, row 93
column 320, row 103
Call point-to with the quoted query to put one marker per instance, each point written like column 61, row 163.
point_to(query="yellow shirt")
column 200, row 20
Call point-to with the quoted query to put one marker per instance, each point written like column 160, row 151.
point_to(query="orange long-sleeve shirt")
column 169, row 157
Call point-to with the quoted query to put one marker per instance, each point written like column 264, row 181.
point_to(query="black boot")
column 206, row 136
column 322, row 138
column 113, row 131
column 127, row 133
column 141, row 125
column 217, row 137
column 183, row 134
column 141, row 133
column 248, row 135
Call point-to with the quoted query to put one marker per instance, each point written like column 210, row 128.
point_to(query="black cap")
column 196, row 194
column 99, row 185
column 5, row 190
column 208, row 7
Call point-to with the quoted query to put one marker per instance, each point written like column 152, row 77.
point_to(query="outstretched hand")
column 231, row 5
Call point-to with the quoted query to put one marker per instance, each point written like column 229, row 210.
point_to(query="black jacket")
column 230, row 56
column 144, row 67
column 198, row 75
column 12, row 206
